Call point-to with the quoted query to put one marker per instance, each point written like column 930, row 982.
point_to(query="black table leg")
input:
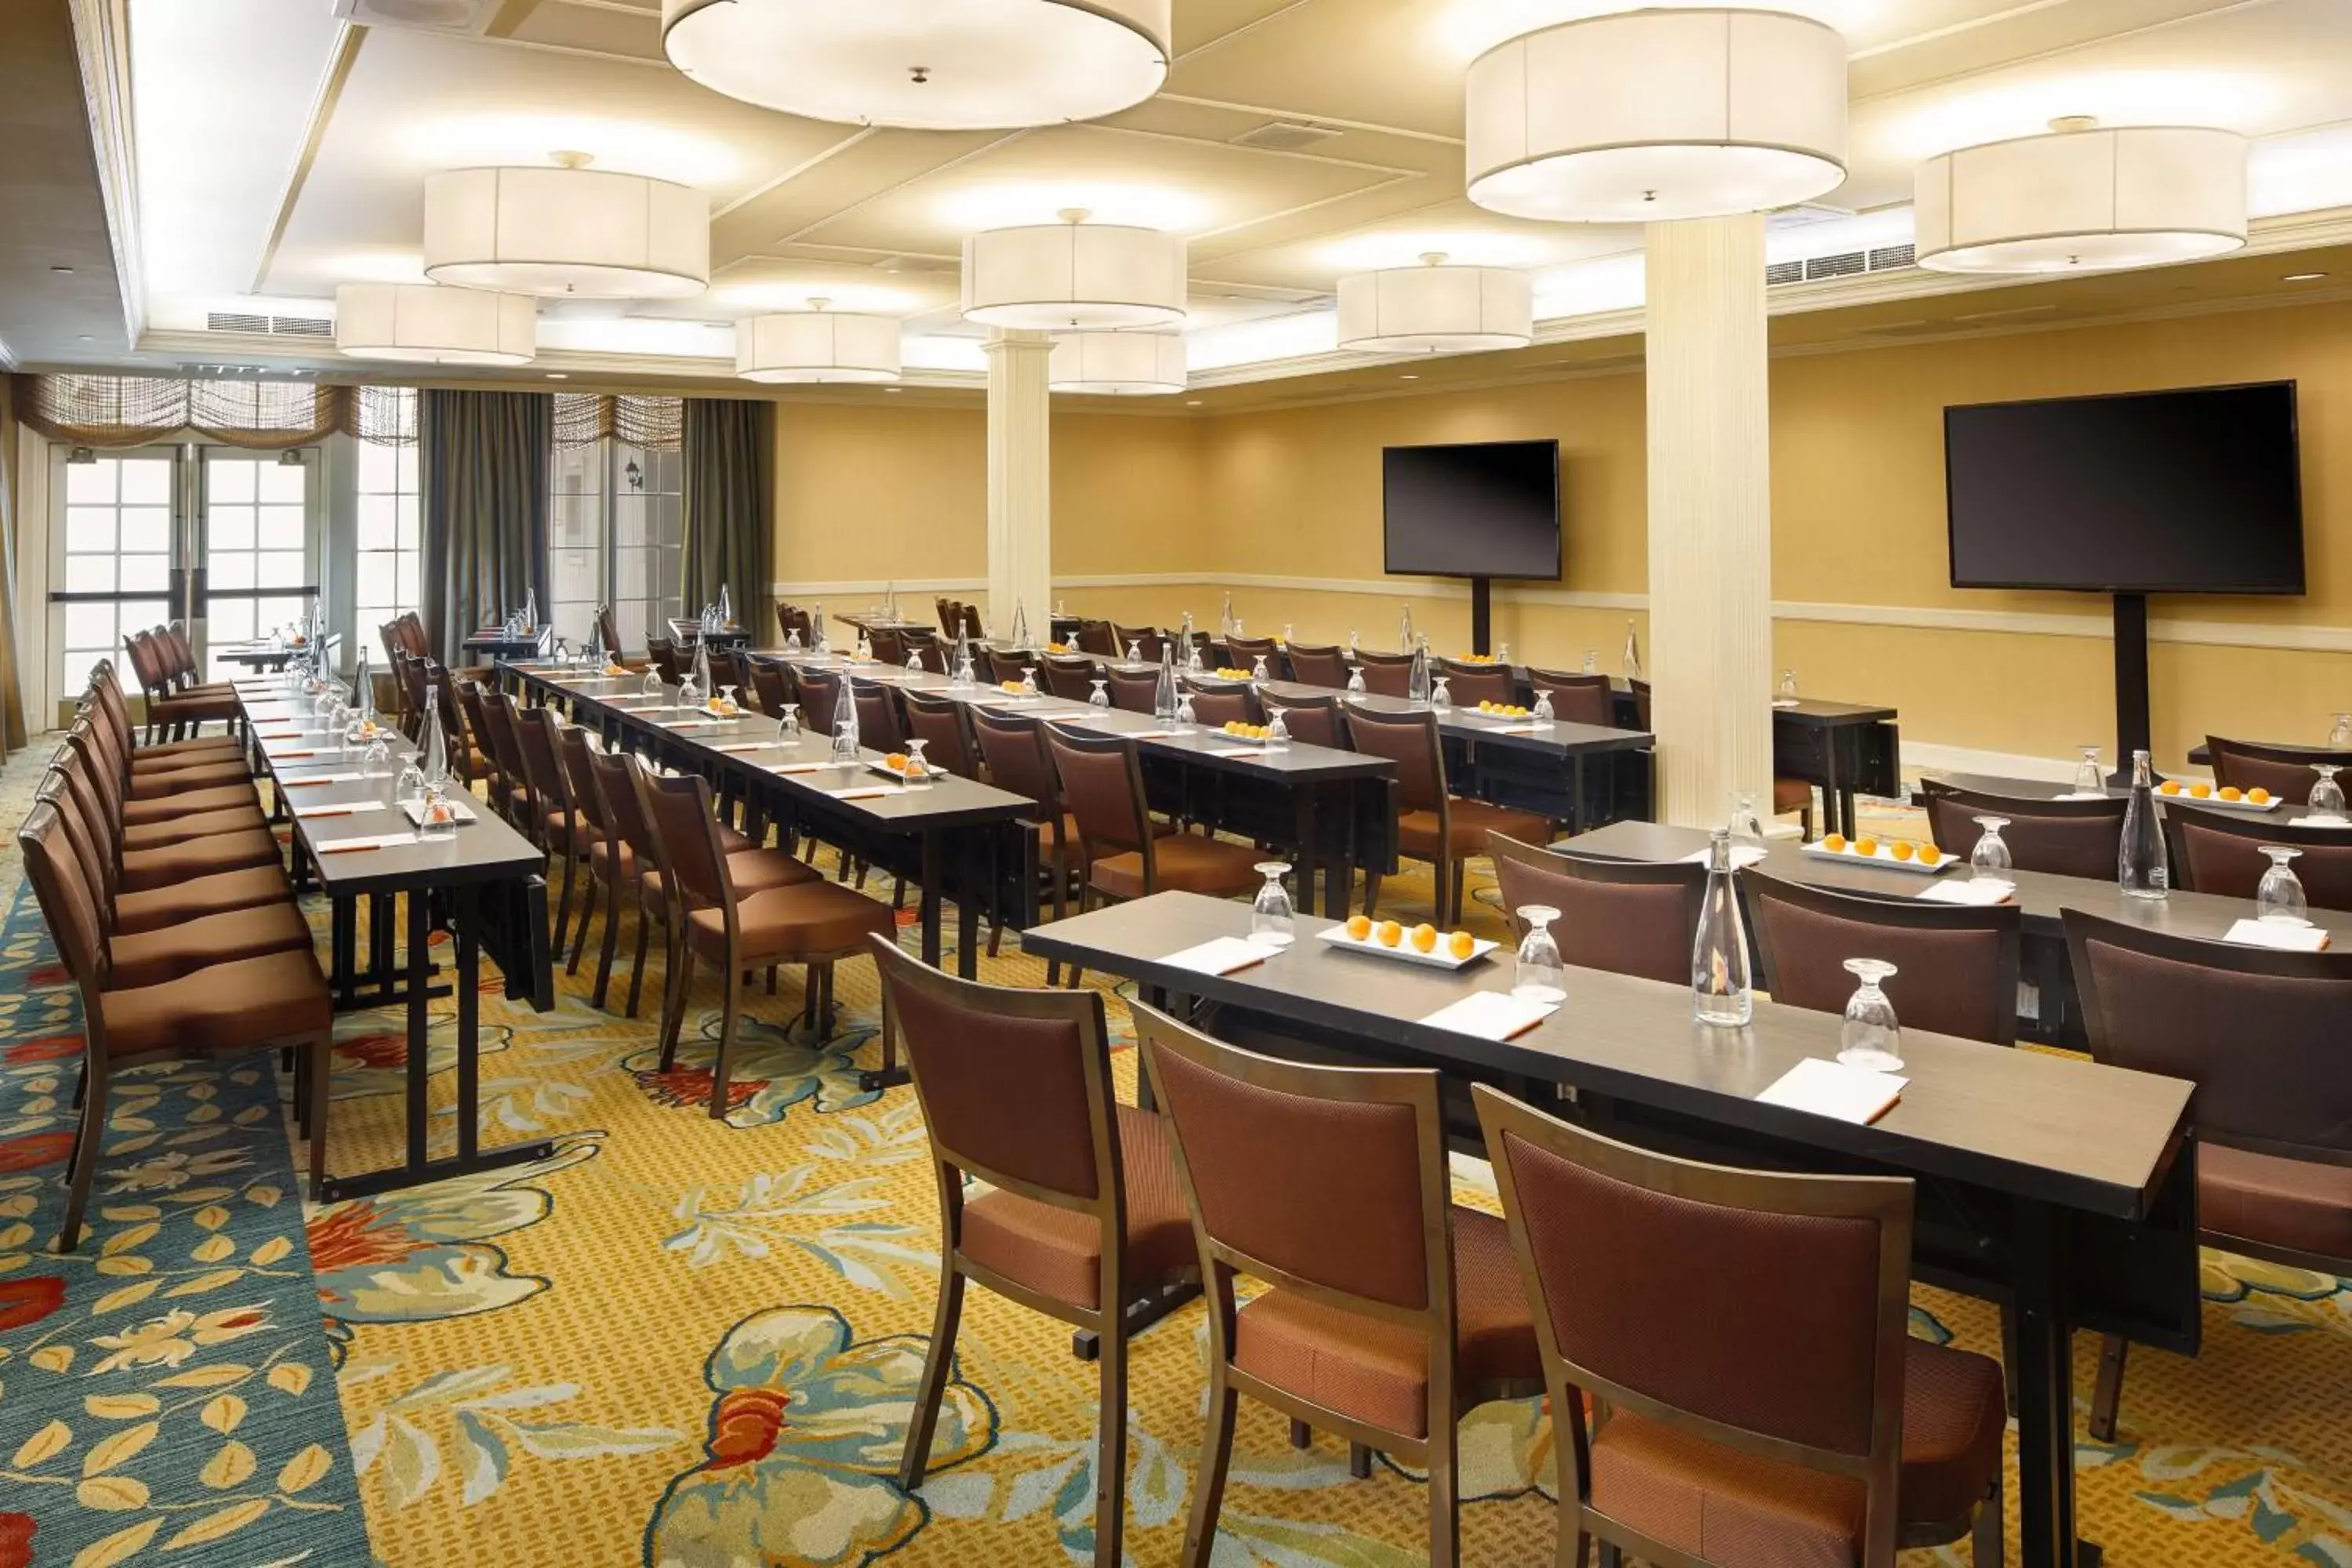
column 469, row 997
column 979, row 875
column 1303, row 866
column 1835, row 807
column 1576, row 794
column 342, row 949
column 420, row 1024
column 873, row 1079
column 2045, row 1398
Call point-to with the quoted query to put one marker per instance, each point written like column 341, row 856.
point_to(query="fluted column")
column 1020, row 481
column 1710, row 517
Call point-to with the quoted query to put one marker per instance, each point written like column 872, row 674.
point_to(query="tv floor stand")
column 1482, row 613
column 2131, row 683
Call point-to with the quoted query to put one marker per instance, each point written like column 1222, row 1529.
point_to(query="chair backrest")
column 2063, row 837
column 91, row 838
column 1221, row 704
column 1014, row 1084
column 887, row 644
column 456, row 733
column 616, row 803
column 1247, row 651
column 608, row 629
column 663, row 653
column 412, row 633
column 72, row 906
column 732, row 667
column 1577, row 698
column 990, row 668
column 1616, row 1245
column 878, row 716
column 1095, row 638
column 926, row 649
column 1385, row 674
column 1318, row 664
column 1956, row 966
column 140, row 648
column 1133, row 691
column 1630, row 917
column 1146, row 640
column 1015, row 750
column 937, row 722
column 2284, row 771
column 1328, row 1181
column 684, row 833
column 184, row 653
column 1411, row 741
column 772, row 686
column 949, row 614
column 505, row 745
column 2260, row 1033
column 820, row 695
column 1071, row 675
column 1102, row 787
column 539, row 745
column 580, row 776
column 1471, row 684
column 2216, row 852
column 1313, row 721
column 477, row 725
column 1641, row 690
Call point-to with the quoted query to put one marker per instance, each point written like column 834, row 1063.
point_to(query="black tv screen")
column 2193, row 491
column 1484, row 510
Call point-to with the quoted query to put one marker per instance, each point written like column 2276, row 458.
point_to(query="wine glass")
column 1277, row 733
column 1101, row 698
column 652, row 684
column 914, row 661
column 1440, row 698
column 1029, row 680
column 1592, row 661
column 844, row 743
column 375, row 762
column 1543, row 709
column 1258, row 670
column 918, row 769
column 2340, row 734
column 1134, row 650
column 1539, row 976
column 1870, row 1038
column 1747, row 828
column 1355, row 687
column 2327, row 795
column 436, row 816
column 408, row 789
column 792, row 640
column 727, row 699
column 1990, row 860
column 2088, row 779
column 788, row 724
column 1186, row 717
column 2280, row 896
column 1272, row 919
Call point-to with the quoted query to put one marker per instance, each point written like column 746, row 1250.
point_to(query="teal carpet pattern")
column 166, row 1390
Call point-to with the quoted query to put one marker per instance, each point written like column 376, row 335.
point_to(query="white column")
column 1710, row 518
column 1020, row 481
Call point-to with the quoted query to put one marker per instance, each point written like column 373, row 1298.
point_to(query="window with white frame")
column 389, row 546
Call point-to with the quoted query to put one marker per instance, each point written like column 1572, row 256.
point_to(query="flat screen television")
column 1487, row 509
column 2192, row 491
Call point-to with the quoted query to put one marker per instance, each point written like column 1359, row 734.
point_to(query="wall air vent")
column 233, row 321
column 1285, row 136
column 466, row 16
column 1887, row 258
column 1784, row 272
column 1847, row 264
column 1844, row 264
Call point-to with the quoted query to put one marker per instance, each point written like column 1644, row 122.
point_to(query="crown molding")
column 101, row 30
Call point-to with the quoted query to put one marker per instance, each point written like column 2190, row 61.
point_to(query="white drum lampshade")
column 2083, row 199
column 1073, row 275
column 1436, row 309
column 424, row 323
column 1122, row 364
column 1649, row 116
column 818, row 345
column 569, row 231
column 927, row 64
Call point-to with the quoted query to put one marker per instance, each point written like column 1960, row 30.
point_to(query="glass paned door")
column 111, row 560
column 260, row 548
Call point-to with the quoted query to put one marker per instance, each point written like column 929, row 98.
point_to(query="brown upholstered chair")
column 1095, row 638
column 106, row 696
column 1808, row 1426
column 1245, row 652
column 1318, row 664
column 1630, row 917
column 714, row 913
column 1013, row 750
column 156, row 845
column 619, row 862
column 1795, row 795
column 173, row 711
column 1432, row 823
column 2063, row 837
column 1219, row 703
column 926, row 650
column 457, row 731
column 887, row 644
column 2284, row 771
column 514, row 802
column 878, row 725
column 773, row 687
column 1386, row 674
column 1084, row 1221
column 1641, row 690
column 558, row 823
column 1391, row 1311
column 1577, row 698
column 2261, row 1036
column 484, row 766
column 937, row 722
column 1145, row 641
column 2220, row 852
column 1468, row 684
column 948, row 613
column 820, row 692
column 608, row 629
column 1312, row 721
column 1956, row 966
column 1123, row 854
column 663, row 653
column 1133, row 691
column 1070, row 675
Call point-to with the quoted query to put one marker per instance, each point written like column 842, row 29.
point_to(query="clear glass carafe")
column 2140, row 865
column 1721, row 990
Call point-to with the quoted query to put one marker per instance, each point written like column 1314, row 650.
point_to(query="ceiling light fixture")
column 926, row 65
column 818, row 345
column 558, row 375
column 2303, row 277
column 60, row 269
column 568, row 231
column 1646, row 116
column 424, row 323
column 1436, row 309
column 1074, row 275
column 1117, row 365
column 2083, row 199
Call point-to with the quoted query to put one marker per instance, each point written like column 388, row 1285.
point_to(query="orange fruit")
column 1903, row 848
column 2232, row 792
column 2258, row 796
column 1834, row 843
column 1359, row 926
column 896, row 762
column 1390, row 933
column 2201, row 791
column 1425, row 938
column 2169, row 786
column 1930, row 854
column 1460, row 944
column 1866, row 847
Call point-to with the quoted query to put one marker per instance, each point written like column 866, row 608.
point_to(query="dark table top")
column 2055, row 1128
column 1816, row 714
column 1560, row 739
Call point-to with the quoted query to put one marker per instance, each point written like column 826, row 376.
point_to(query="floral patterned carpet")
column 690, row 1343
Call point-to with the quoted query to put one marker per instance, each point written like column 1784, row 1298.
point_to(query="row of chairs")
column 162, row 887
column 1389, row 1311
column 177, row 700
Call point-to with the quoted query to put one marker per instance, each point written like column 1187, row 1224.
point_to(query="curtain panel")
column 731, row 507
column 12, row 696
column 113, row 411
column 483, row 462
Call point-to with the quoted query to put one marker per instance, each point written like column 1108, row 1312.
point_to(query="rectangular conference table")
column 487, row 883
column 267, row 653
column 2065, row 1189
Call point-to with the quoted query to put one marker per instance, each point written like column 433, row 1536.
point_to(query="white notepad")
column 872, row 792
column 802, row 767
column 2320, row 819
column 1826, row 1087
column 378, row 841
column 2277, row 934
column 752, row 746
column 1221, row 955
column 1979, row 892
column 1523, row 728
column 1491, row 1015
column 320, row 779
column 1237, row 752
column 1742, row 856
column 357, row 805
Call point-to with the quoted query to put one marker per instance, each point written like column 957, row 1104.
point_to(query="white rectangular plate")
column 1405, row 951
column 1884, row 859
column 2218, row 804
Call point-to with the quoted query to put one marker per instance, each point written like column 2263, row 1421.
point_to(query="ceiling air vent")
column 1284, row 136
column 301, row 327
column 232, row 321
column 1784, row 272
column 1846, row 264
column 468, row 16
column 1887, row 258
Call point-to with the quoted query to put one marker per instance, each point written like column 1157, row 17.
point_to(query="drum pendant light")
column 1436, row 309
column 925, row 65
column 1647, row 116
column 818, row 345
column 424, row 323
column 1117, row 365
column 1074, row 275
column 569, row 231
column 2083, row 199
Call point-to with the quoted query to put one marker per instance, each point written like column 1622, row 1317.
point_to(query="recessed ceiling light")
column 558, row 375
column 1407, row 378
column 1191, row 403
column 893, row 391
column 61, row 269
column 2303, row 277
column 85, row 337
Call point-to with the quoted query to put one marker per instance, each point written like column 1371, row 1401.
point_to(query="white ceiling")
column 281, row 151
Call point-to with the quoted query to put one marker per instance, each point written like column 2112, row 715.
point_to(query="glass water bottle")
column 1720, row 989
column 845, row 724
column 2140, row 865
column 1632, row 654
column 1417, row 683
column 1163, row 695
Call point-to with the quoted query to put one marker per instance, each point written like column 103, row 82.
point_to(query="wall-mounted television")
column 2190, row 491
column 1487, row 509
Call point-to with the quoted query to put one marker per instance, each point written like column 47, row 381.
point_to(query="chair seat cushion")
column 1470, row 820
column 198, row 896
column 181, row 781
column 194, row 824
column 152, row 957
column 2296, row 1203
column 143, row 870
column 175, row 755
column 1058, row 1253
column 1742, row 1510
column 1188, row 862
column 813, row 919
column 1376, row 1371
column 170, row 808
column 734, row 840
column 249, row 1002
column 565, row 829
column 1791, row 795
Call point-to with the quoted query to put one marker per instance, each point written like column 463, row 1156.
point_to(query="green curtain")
column 731, row 508
column 483, row 457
